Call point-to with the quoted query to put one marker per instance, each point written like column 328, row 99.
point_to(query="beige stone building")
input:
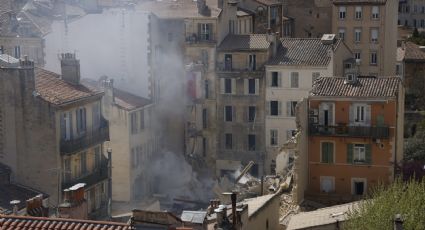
column 369, row 28
column 52, row 131
column 411, row 13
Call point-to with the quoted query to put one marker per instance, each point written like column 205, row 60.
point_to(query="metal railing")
column 200, row 38
column 98, row 175
column 350, row 131
column 222, row 67
column 88, row 139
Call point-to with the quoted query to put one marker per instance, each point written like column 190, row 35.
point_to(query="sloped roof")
column 129, row 101
column 196, row 217
column 57, row 91
column 303, row 51
column 9, row 192
column 269, row 2
column 321, row 216
column 41, row 223
column 234, row 42
column 257, row 203
column 410, row 52
column 367, row 87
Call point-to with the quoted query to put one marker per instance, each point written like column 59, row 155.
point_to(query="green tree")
column 378, row 212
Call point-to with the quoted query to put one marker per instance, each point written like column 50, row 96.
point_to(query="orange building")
column 355, row 135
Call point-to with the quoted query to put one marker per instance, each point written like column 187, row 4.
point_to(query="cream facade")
column 369, row 28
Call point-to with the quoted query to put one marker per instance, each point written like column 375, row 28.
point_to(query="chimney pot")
column 15, row 204
column 70, row 68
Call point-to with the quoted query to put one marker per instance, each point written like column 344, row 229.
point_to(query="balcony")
column 98, row 175
column 350, row 131
column 223, row 67
column 200, row 38
column 90, row 138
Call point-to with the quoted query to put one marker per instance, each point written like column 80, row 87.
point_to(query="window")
column 205, row 31
column 228, row 113
column 228, row 62
column 327, row 152
column 83, row 163
column 342, row 12
column 294, row 80
column 357, row 55
column 290, row 133
column 341, row 33
column 290, row 108
column 357, row 35
column 274, row 108
column 358, row 14
column 375, row 12
column 327, row 184
column 359, row 153
column 204, row 118
column 251, row 142
column 422, row 23
column 66, row 126
column 206, row 89
column 142, row 120
column 133, row 122
column 415, row 8
column 227, row 85
column 204, row 146
column 273, row 15
column 251, row 86
column 252, row 62
column 359, row 115
column 251, row 113
column 17, row 52
column 134, row 157
column 97, row 157
column 275, row 79
column 81, row 120
column 96, row 116
column 398, row 69
column 314, row 76
column 374, row 35
column 358, row 186
column 273, row 137
column 373, row 58
column 228, row 141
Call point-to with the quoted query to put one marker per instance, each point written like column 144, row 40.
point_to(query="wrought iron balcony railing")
column 350, row 131
column 98, row 175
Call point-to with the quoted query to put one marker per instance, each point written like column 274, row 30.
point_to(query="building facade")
column 369, row 28
column 290, row 77
column 60, row 131
column 411, row 13
column 355, row 136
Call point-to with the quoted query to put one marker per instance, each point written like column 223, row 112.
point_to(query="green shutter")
column 350, row 153
column 327, row 152
column 368, row 154
column 331, row 152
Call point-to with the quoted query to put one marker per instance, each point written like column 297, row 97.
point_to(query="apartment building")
column 307, row 18
column 354, row 135
column 290, row 77
column 52, row 131
column 133, row 140
column 411, row 13
column 369, row 28
column 240, row 101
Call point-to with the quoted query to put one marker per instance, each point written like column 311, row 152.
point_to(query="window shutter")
column 351, row 115
column 380, row 120
column 210, row 30
column 368, row 154
column 321, row 115
column 350, row 153
column 63, row 126
column 224, row 113
column 279, row 79
column 222, row 85
column 330, row 153
column 199, row 30
column 233, row 86
column 233, row 113
column 257, row 86
column 269, row 78
column 78, row 121
column 324, row 153
column 288, row 108
column 367, row 114
column 268, row 108
column 279, row 108
column 245, row 86
column 246, row 117
column 331, row 111
column 71, row 128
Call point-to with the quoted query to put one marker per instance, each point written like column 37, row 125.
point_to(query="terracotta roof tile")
column 411, row 52
column 57, row 91
column 245, row 42
column 44, row 223
column 303, row 51
column 364, row 87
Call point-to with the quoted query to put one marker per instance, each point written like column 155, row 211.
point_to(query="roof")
column 410, row 52
column 129, row 101
column 348, row 2
column 169, row 9
column 243, row 12
column 9, row 192
column 245, row 42
column 257, row 203
column 196, row 217
column 304, row 51
column 269, row 2
column 364, row 87
column 323, row 216
column 54, row 90
column 41, row 223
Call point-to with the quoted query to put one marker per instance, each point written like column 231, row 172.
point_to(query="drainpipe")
column 109, row 150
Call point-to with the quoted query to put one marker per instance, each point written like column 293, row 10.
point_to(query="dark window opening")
column 228, row 113
column 204, row 118
column 251, row 113
column 228, row 141
column 227, row 85
column 251, row 142
column 359, row 188
column 274, row 108
column 251, row 86
column 206, row 89
column 275, row 79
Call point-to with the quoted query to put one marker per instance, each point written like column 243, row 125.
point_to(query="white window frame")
column 359, row 113
column 359, row 153
column 322, row 178
column 342, row 10
column 375, row 12
column 274, row 137
column 358, row 13
column 357, row 35
column 373, row 58
column 374, row 35
column 295, row 80
column 341, row 33
column 357, row 55
column 355, row 179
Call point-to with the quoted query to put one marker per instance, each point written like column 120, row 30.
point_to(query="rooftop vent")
column 328, row 39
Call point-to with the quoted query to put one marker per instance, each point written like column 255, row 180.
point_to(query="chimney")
column 15, row 204
column 221, row 213
column 272, row 38
column 26, row 62
column 70, row 68
column 234, row 217
column 203, row 8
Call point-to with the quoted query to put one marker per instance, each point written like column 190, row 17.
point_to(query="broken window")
column 228, row 141
column 251, row 113
column 290, row 110
column 251, row 142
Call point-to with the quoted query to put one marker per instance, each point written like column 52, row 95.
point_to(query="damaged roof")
column 54, row 90
column 196, row 217
column 234, row 42
column 45, row 223
column 128, row 100
column 364, row 87
column 257, row 203
column 304, row 51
